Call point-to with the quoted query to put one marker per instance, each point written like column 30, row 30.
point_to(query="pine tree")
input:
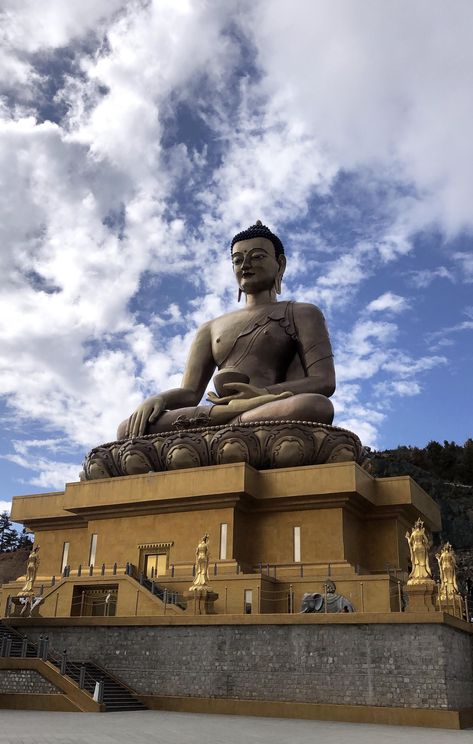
column 24, row 539
column 465, row 466
column 8, row 535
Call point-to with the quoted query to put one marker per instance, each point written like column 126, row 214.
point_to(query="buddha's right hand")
column 147, row 413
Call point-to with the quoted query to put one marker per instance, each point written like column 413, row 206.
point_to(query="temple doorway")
column 155, row 565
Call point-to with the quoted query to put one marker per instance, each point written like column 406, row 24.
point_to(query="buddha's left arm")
column 315, row 351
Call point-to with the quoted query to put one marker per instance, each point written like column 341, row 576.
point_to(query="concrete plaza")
column 31, row 727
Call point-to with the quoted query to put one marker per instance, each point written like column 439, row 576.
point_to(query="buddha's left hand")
column 219, row 414
column 244, row 392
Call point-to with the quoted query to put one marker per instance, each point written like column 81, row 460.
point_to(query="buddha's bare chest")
column 237, row 336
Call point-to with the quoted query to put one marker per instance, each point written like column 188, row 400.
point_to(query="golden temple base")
column 273, row 536
column 200, row 601
column 422, row 597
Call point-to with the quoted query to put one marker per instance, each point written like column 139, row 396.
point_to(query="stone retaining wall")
column 409, row 665
column 25, row 681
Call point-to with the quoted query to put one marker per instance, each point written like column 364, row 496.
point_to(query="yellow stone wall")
column 352, row 527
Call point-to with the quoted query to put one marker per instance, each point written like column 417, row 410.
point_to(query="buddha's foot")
column 263, row 445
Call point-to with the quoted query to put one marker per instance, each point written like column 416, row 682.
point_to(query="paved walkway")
column 154, row 727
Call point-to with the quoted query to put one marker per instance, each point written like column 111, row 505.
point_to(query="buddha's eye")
column 237, row 260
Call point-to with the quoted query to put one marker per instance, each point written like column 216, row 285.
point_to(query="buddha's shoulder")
column 226, row 317
column 242, row 313
column 302, row 310
column 221, row 320
column 306, row 311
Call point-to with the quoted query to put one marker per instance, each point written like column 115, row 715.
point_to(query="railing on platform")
column 15, row 645
column 282, row 601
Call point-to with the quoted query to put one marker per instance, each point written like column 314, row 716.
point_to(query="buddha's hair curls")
column 258, row 230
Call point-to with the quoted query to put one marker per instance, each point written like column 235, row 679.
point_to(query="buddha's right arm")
column 199, row 367
column 198, row 371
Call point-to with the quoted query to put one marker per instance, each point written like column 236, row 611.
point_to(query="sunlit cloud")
column 137, row 137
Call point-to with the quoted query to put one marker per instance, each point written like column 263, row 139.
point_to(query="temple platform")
column 125, row 546
column 409, row 669
column 118, row 557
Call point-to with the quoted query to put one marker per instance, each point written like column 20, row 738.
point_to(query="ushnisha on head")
column 258, row 260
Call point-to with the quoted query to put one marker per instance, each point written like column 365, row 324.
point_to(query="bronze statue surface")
column 263, row 445
column 272, row 356
column 275, row 376
column 329, row 601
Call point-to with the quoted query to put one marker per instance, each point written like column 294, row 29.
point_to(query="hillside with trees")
column 14, row 550
column 445, row 471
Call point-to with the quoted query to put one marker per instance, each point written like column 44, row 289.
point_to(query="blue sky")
column 137, row 137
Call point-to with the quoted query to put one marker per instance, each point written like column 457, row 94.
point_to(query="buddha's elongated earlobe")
column 239, row 293
column 279, row 275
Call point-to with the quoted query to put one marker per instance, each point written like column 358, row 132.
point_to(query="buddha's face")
column 255, row 265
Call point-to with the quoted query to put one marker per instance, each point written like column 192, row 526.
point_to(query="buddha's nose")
column 246, row 262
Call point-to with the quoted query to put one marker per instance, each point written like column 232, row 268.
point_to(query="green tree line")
column 445, row 471
column 449, row 461
column 10, row 539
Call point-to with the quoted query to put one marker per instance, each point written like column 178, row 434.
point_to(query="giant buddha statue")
column 274, row 380
column 274, row 358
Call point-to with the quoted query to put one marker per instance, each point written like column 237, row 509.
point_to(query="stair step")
column 116, row 696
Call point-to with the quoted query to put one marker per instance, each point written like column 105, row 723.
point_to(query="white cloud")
column 356, row 416
column 424, row 277
column 367, row 352
column 465, row 265
column 465, row 325
column 25, row 446
column 5, row 506
column 65, row 269
column 48, row 473
column 89, row 205
column 361, row 423
column 29, row 27
column 402, row 388
column 405, row 366
column 388, row 302
column 345, row 270
column 382, row 86
column 270, row 169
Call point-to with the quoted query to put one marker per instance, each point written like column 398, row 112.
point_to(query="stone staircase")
column 13, row 645
column 115, row 696
column 167, row 596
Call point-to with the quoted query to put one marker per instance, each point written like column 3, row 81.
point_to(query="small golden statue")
column 31, row 571
column 447, row 568
column 419, row 545
column 201, row 579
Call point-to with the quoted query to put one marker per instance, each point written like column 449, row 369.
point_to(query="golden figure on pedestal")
column 201, row 579
column 31, row 571
column 419, row 545
column 447, row 569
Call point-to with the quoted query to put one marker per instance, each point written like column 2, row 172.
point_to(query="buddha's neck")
column 260, row 298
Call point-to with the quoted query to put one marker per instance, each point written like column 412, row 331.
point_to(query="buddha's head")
column 258, row 260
